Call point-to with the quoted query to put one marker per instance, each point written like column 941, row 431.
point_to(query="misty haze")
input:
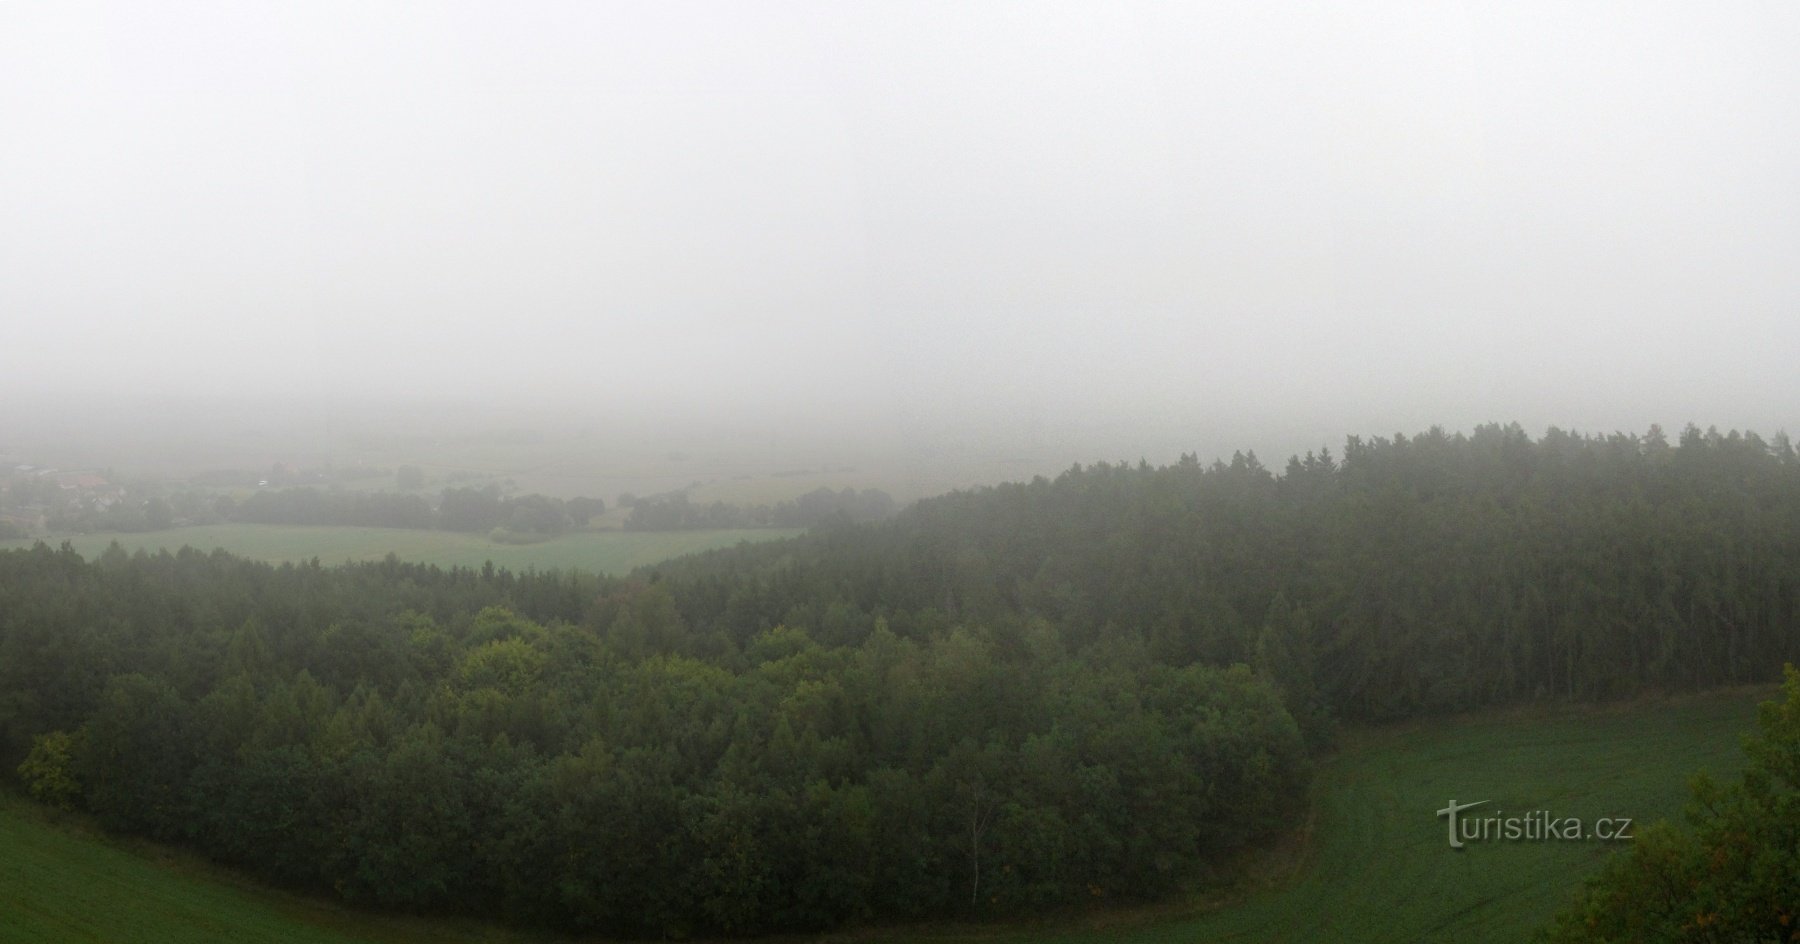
column 1100, row 472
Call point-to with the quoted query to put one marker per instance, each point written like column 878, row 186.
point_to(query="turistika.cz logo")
column 1532, row 826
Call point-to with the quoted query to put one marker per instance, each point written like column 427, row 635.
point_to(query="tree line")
column 675, row 512
column 457, row 509
column 464, row 509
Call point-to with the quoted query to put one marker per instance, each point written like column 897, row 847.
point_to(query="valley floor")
column 613, row 552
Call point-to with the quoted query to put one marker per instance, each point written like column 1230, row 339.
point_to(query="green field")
column 1372, row 866
column 59, row 881
column 610, row 552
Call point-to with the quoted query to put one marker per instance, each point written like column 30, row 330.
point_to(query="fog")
column 1094, row 225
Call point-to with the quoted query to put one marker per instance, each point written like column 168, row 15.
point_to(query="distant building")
column 81, row 481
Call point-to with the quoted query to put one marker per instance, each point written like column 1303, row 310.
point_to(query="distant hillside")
column 1429, row 573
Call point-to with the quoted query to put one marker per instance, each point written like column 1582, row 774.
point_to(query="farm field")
column 595, row 551
column 1380, row 867
column 1374, row 865
column 61, row 882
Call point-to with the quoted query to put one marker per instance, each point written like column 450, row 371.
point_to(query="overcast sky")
column 1362, row 217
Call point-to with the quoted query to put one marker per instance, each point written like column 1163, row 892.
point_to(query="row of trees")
column 674, row 512
column 457, row 509
column 469, row 509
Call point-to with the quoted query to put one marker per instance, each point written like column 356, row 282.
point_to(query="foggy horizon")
column 1238, row 227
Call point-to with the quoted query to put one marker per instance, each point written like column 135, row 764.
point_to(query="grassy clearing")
column 1376, row 866
column 61, row 882
column 595, row 551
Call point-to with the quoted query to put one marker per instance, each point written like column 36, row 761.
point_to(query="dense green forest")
column 1087, row 689
column 1424, row 574
column 390, row 732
